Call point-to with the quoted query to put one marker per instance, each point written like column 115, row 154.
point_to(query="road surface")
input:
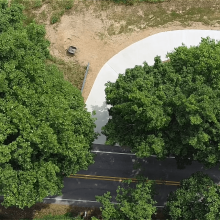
column 112, row 161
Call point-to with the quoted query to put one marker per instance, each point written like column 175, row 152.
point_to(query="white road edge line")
column 73, row 200
column 78, row 200
column 106, row 152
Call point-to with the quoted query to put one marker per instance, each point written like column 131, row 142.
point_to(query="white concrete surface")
column 143, row 50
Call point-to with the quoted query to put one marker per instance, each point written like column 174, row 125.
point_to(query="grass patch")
column 153, row 15
column 111, row 30
column 29, row 19
column 132, row 2
column 56, row 8
column 29, row 4
column 43, row 211
column 72, row 71
column 43, row 15
column 56, row 15
column 68, row 4
column 37, row 4
column 67, row 216
column 143, row 15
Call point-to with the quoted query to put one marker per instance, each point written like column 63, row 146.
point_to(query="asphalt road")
column 111, row 161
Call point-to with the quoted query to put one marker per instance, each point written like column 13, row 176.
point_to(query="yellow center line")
column 109, row 178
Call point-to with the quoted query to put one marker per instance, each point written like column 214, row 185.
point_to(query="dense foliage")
column 45, row 131
column 132, row 203
column 170, row 108
column 197, row 198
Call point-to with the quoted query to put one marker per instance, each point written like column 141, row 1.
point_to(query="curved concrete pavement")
column 136, row 54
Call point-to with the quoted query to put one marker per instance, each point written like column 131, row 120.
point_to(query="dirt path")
column 83, row 30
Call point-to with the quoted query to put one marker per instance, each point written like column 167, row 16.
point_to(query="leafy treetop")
column 45, row 131
column 170, row 108
column 132, row 202
column 197, row 198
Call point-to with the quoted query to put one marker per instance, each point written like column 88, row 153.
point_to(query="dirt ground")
column 83, row 31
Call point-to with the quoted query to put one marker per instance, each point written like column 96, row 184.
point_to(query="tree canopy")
column 170, row 108
column 45, row 131
column 132, row 203
column 197, row 198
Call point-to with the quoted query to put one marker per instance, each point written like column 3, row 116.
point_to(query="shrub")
column 68, row 4
column 37, row 3
column 56, row 16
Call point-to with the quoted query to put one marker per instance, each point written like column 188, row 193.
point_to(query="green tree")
column 45, row 131
column 170, row 108
column 10, row 16
column 197, row 198
column 132, row 203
